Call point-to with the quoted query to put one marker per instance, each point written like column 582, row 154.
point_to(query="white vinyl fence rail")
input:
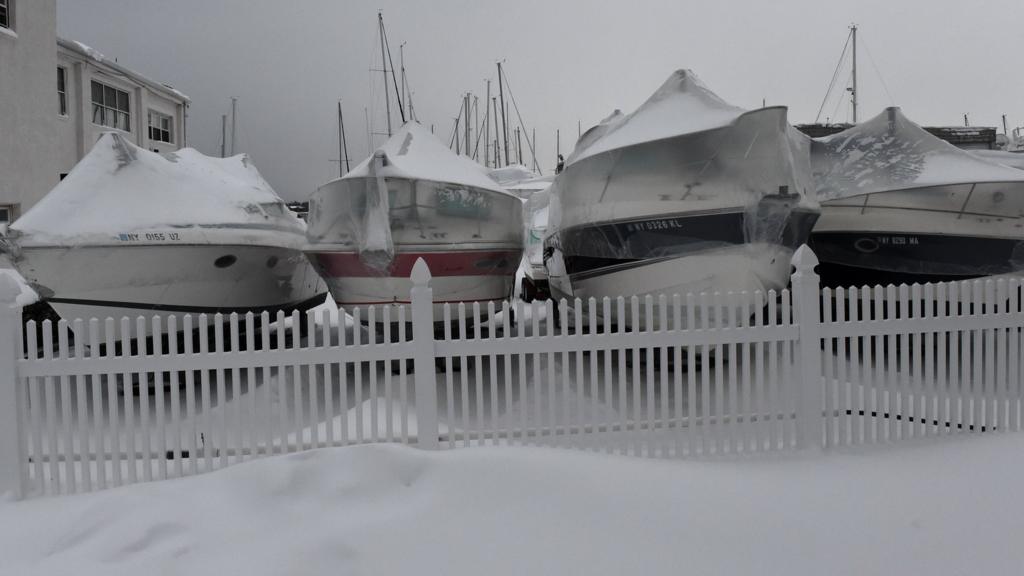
column 694, row 375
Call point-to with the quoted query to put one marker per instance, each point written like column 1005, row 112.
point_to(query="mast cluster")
column 503, row 146
column 502, row 136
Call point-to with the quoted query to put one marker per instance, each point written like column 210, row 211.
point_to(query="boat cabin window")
column 110, row 107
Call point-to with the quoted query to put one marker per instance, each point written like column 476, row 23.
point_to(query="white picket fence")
column 697, row 375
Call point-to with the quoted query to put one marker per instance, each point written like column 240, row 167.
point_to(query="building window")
column 110, row 107
column 6, row 214
column 6, row 10
column 62, row 92
column 159, row 127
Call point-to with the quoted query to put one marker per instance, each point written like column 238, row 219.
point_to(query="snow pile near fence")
column 935, row 508
column 25, row 294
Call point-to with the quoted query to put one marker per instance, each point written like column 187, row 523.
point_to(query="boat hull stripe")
column 461, row 263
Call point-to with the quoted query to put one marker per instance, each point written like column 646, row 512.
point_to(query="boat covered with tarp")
column 687, row 194
column 900, row 205
column 414, row 198
column 131, row 232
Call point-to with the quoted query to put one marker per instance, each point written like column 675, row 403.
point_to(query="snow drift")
column 391, row 510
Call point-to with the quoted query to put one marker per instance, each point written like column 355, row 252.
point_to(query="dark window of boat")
column 110, row 107
column 62, row 92
column 159, row 127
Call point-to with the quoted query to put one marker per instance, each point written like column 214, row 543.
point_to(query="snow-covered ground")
column 947, row 506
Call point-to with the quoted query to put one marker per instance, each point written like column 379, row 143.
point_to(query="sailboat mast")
column 504, row 124
column 342, row 143
column 533, row 150
column 401, row 57
column 384, row 69
column 466, row 108
column 487, row 126
column 497, row 146
column 234, row 116
column 853, row 94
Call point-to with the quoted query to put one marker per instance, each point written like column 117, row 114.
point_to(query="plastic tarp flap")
column 118, row 187
column 376, row 248
column 536, row 224
column 684, row 152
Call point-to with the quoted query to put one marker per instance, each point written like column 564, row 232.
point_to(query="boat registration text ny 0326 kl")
column 663, row 224
column 150, row 236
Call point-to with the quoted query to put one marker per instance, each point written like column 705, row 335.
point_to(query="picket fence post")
column 807, row 305
column 12, row 447
column 422, row 298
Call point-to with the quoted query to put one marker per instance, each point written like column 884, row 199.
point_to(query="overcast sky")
column 290, row 62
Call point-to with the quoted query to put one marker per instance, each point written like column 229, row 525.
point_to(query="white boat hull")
column 162, row 280
column 738, row 269
column 905, row 237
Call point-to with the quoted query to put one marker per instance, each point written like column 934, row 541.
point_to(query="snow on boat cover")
column 687, row 142
column 414, row 153
column 890, row 152
column 119, row 189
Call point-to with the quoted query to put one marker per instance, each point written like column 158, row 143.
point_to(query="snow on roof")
column 891, row 152
column 414, row 153
column 682, row 105
column 98, row 57
column 119, row 187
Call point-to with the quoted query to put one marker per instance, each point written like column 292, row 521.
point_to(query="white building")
column 28, row 102
column 96, row 94
column 57, row 96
